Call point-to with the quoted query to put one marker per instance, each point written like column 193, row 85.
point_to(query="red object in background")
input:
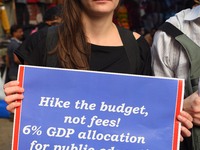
column 34, row 11
column 32, row 1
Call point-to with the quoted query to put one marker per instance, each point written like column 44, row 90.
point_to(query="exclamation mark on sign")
column 118, row 122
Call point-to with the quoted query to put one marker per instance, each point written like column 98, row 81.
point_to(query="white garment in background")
column 168, row 57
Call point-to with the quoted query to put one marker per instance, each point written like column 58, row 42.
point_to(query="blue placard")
column 84, row 110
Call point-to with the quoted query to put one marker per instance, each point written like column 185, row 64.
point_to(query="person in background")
column 87, row 39
column 46, row 4
column 12, row 60
column 51, row 17
column 169, row 59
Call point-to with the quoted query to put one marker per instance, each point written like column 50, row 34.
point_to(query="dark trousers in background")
column 22, row 14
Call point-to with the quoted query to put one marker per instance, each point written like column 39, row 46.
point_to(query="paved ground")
column 6, row 127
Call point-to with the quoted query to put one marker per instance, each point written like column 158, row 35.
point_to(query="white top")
column 168, row 57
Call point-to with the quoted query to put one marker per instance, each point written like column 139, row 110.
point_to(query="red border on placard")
column 18, row 113
column 177, row 112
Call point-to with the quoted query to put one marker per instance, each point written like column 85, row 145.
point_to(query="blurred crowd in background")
column 145, row 16
column 142, row 16
column 21, row 18
column 26, row 13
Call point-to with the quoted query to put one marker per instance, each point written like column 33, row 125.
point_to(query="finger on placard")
column 186, row 115
column 11, row 83
column 11, row 107
column 13, row 90
column 14, row 97
column 185, row 132
column 181, row 138
column 185, row 122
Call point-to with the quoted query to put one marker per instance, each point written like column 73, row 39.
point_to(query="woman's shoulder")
column 141, row 40
column 142, row 43
column 136, row 35
column 128, row 35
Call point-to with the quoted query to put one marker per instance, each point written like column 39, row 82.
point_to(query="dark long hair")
column 72, row 48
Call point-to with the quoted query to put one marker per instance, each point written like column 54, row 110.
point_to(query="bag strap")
column 128, row 40
column 131, row 47
column 170, row 29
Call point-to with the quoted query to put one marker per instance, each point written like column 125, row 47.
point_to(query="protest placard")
column 67, row 109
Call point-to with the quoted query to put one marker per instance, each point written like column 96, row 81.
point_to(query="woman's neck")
column 101, row 31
